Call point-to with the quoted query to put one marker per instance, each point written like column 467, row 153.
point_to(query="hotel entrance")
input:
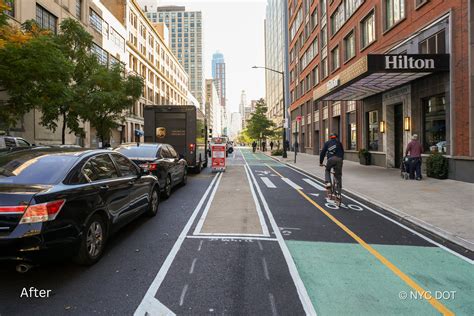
column 398, row 134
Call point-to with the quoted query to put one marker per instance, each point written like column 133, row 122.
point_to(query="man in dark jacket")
column 413, row 151
column 335, row 155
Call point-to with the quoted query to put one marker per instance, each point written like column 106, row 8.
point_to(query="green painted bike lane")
column 344, row 278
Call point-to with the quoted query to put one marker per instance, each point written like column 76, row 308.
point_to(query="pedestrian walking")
column 264, row 146
column 413, row 152
column 278, row 144
column 271, row 145
column 287, row 145
column 254, row 146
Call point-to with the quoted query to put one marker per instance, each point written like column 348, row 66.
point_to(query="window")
column 350, row 6
column 435, row 44
column 45, row 19
column 349, row 46
column 351, row 131
column 335, row 60
column 100, row 53
column 322, row 4
column 172, row 152
column 79, row 9
column 324, row 65
column 368, row 30
column 315, row 74
column 373, row 130
column 96, row 21
column 99, row 168
column 419, row 3
column 394, row 12
column 324, row 36
column 337, row 19
column 127, row 169
column 22, row 143
column 434, row 123
column 314, row 18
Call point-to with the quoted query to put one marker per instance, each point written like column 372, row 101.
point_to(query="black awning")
column 373, row 74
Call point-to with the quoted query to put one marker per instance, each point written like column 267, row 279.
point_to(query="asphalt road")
column 259, row 239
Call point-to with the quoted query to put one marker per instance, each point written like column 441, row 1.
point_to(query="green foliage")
column 277, row 152
column 112, row 94
column 259, row 126
column 437, row 166
column 243, row 137
column 364, row 153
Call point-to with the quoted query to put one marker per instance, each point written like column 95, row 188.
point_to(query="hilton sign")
column 408, row 63
column 405, row 62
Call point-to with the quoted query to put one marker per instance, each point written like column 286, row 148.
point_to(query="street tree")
column 32, row 70
column 259, row 126
column 110, row 95
column 75, row 44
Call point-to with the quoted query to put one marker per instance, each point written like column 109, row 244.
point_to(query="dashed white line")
column 191, row 270
column 200, row 245
column 260, row 245
column 265, row 269
column 292, row 184
column 272, row 303
column 268, row 182
column 314, row 184
column 183, row 293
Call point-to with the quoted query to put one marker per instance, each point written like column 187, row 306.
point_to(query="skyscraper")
column 185, row 28
column 218, row 74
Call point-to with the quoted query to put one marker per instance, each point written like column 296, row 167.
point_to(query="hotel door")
column 398, row 133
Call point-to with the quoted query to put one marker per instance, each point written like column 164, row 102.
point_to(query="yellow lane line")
column 434, row 302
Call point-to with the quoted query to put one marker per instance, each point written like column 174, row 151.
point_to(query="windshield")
column 34, row 169
column 138, row 152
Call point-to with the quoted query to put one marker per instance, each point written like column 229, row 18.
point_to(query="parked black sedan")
column 68, row 201
column 161, row 160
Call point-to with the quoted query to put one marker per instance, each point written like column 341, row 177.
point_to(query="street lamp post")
column 282, row 73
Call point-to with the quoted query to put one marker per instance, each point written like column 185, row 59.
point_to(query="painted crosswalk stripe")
column 292, row 184
column 268, row 183
column 314, row 184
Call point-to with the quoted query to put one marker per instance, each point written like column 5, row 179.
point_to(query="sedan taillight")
column 43, row 212
column 149, row 166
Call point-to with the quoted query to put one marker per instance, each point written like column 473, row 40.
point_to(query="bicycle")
column 335, row 191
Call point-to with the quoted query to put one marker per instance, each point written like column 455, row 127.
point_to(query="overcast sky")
column 235, row 28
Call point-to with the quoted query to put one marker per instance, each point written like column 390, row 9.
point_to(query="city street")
column 259, row 239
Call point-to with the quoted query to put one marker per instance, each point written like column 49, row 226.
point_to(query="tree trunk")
column 63, row 132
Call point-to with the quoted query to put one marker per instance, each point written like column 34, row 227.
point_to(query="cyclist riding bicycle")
column 335, row 155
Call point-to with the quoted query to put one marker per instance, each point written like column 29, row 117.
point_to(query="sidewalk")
column 444, row 207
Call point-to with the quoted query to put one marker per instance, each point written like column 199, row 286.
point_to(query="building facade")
column 213, row 108
column 109, row 46
column 276, row 57
column 185, row 29
column 219, row 76
column 166, row 81
column 377, row 72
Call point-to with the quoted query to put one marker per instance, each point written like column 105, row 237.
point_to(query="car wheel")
column 198, row 168
column 92, row 242
column 167, row 189
column 154, row 202
column 185, row 177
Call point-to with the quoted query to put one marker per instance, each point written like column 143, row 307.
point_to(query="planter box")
column 364, row 160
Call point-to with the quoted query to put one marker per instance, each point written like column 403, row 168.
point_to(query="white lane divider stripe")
column 149, row 304
column 268, row 182
column 199, row 225
column 314, row 184
column 261, row 218
column 292, row 184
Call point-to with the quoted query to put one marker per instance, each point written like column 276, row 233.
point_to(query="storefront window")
column 351, row 131
column 434, row 127
column 373, row 130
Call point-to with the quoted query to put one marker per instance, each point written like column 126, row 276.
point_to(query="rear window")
column 46, row 169
column 138, row 152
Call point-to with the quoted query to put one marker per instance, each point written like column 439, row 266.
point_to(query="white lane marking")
column 268, row 183
column 200, row 245
column 263, row 224
column 292, row 228
column 314, row 194
column 231, row 234
column 314, row 184
column 183, row 293
column 392, row 220
column 149, row 303
column 200, row 223
column 292, row 184
column 300, row 288
column 265, row 268
column 191, row 270
column 260, row 245
column 272, row 303
column 231, row 238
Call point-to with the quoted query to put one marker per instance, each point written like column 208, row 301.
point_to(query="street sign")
column 218, row 157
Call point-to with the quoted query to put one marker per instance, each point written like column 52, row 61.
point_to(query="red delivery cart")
column 218, row 159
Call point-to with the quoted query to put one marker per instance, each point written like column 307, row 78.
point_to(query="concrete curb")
column 441, row 233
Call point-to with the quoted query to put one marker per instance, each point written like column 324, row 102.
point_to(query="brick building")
column 377, row 72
